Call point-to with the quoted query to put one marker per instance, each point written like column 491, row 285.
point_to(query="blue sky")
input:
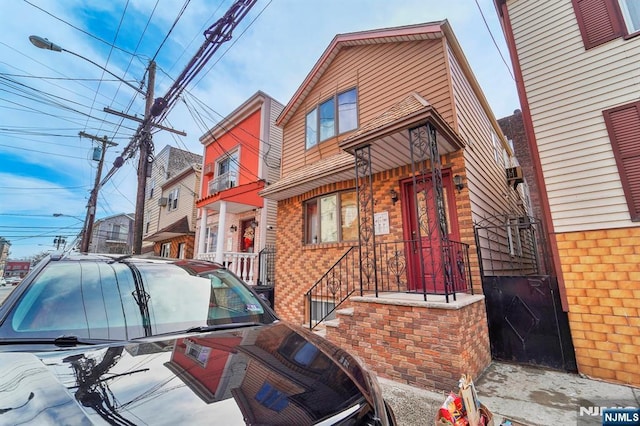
column 47, row 98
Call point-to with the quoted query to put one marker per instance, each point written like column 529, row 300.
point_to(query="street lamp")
column 67, row 215
column 87, row 230
column 145, row 147
column 44, row 43
column 82, row 234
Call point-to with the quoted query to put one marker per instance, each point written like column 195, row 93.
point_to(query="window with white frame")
column 152, row 186
column 514, row 237
column 331, row 218
column 334, row 116
column 165, row 250
column 498, row 153
column 227, row 170
column 601, row 21
column 172, row 201
column 181, row 250
column 115, row 232
column 211, row 239
column 630, row 10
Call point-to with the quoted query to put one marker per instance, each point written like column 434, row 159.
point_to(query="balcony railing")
column 242, row 264
column 222, row 182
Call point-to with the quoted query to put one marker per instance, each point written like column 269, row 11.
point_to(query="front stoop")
column 429, row 344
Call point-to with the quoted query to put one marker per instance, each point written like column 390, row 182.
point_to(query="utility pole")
column 143, row 162
column 87, row 230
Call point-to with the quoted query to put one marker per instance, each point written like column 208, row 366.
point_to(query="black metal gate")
column 526, row 322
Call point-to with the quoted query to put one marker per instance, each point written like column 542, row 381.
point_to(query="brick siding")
column 417, row 343
column 601, row 271
column 299, row 266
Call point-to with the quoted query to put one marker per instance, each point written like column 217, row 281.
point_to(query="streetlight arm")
column 44, row 43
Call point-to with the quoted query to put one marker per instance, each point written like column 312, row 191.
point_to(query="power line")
column 494, row 40
column 80, row 29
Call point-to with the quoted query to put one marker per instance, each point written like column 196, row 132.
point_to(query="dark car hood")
column 276, row 374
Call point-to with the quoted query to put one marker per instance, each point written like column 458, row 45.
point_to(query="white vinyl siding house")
column 568, row 87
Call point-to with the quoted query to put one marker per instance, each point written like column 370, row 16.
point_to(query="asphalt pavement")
column 5, row 291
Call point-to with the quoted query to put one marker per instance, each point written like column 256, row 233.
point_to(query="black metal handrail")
column 333, row 288
column 447, row 274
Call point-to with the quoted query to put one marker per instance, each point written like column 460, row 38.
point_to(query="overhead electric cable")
column 494, row 40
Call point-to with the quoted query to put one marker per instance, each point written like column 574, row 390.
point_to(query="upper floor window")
column 152, row 186
column 623, row 126
column 601, row 21
column 331, row 218
column 226, row 173
column 631, row 13
column 498, row 151
column 332, row 117
column 172, row 202
column 115, row 232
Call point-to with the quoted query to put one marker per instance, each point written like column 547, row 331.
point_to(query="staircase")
column 333, row 288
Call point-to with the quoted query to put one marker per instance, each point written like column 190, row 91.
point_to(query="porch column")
column 366, row 231
column 202, row 236
column 222, row 226
column 426, row 167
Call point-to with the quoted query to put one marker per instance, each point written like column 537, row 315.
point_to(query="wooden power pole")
column 144, row 162
column 87, row 230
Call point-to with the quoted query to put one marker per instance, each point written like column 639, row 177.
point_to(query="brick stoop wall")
column 426, row 344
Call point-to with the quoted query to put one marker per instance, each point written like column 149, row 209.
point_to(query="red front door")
column 420, row 226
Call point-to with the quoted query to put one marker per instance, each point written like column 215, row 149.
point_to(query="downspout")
column 503, row 12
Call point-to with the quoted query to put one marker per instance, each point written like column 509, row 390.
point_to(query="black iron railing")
column 267, row 265
column 334, row 287
column 446, row 274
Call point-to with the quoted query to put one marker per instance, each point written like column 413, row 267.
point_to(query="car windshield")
column 122, row 301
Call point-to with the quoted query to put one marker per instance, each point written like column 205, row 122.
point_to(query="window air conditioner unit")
column 514, row 176
column 209, row 169
column 162, row 202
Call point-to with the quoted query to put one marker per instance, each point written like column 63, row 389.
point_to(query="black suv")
column 101, row 339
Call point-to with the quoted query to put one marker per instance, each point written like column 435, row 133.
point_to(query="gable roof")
column 176, row 229
column 427, row 31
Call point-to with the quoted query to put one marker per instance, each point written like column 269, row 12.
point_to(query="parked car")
column 13, row 280
column 100, row 339
column 3, row 282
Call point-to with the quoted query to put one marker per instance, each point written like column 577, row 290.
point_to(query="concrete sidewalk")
column 522, row 394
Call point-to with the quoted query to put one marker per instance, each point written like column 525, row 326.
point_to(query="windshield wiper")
column 70, row 340
column 227, row 326
column 62, row 341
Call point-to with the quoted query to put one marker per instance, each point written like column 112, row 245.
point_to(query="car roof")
column 194, row 264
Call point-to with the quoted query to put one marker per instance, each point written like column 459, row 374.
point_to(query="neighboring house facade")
column 177, row 214
column 242, row 154
column 113, row 234
column 390, row 155
column 169, row 162
column 579, row 89
column 5, row 245
column 16, row 268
